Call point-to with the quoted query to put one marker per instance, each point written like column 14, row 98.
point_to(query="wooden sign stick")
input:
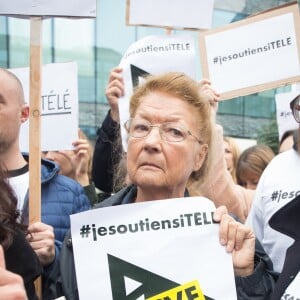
column 35, row 127
column 169, row 30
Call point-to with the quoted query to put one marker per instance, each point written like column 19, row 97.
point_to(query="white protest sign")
column 153, row 55
column 254, row 54
column 59, row 106
column 293, row 290
column 74, row 8
column 284, row 115
column 189, row 14
column 146, row 248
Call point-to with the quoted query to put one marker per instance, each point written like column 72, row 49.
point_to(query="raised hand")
column 115, row 90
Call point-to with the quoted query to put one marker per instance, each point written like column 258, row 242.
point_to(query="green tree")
column 268, row 135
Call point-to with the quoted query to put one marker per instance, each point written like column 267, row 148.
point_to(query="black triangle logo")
column 136, row 74
column 149, row 283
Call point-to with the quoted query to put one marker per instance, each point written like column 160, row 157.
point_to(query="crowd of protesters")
column 175, row 150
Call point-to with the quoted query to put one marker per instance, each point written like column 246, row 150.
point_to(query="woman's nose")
column 153, row 139
column 154, row 133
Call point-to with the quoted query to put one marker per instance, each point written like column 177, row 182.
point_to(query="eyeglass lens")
column 296, row 109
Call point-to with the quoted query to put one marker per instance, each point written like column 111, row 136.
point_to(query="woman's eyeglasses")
column 172, row 132
column 295, row 107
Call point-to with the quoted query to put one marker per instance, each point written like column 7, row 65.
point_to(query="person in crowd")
column 19, row 255
column 169, row 134
column 60, row 195
column 232, row 153
column 11, row 284
column 218, row 184
column 108, row 150
column 278, row 185
column 287, row 140
column 251, row 165
column 109, row 167
column 286, row 221
column 76, row 164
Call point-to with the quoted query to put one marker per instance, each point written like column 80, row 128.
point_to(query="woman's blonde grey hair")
column 185, row 88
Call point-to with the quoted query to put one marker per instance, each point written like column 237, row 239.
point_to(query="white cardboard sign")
column 59, row 106
column 153, row 55
column 255, row 54
column 293, row 290
column 137, row 251
column 189, row 14
column 74, row 8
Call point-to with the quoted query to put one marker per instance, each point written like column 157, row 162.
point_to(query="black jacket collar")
column 125, row 195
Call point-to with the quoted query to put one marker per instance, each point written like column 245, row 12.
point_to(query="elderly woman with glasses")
column 169, row 135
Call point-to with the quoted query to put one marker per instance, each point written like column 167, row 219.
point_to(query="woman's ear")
column 200, row 157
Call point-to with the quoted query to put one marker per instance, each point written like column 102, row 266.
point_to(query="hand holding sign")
column 239, row 240
column 41, row 239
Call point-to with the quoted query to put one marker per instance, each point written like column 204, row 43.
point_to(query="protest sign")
column 76, row 8
column 284, row 116
column 292, row 291
column 59, row 106
column 153, row 55
column 151, row 250
column 180, row 14
column 255, row 54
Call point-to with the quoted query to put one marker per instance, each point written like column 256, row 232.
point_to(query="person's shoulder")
column 115, row 199
column 281, row 161
column 48, row 169
column 287, row 155
column 68, row 190
column 67, row 182
column 51, row 176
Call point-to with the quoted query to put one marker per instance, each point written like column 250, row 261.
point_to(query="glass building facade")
column 97, row 46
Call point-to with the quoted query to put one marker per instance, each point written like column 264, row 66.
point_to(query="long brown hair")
column 8, row 211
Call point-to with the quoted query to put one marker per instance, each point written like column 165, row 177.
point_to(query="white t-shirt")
column 278, row 185
column 20, row 186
